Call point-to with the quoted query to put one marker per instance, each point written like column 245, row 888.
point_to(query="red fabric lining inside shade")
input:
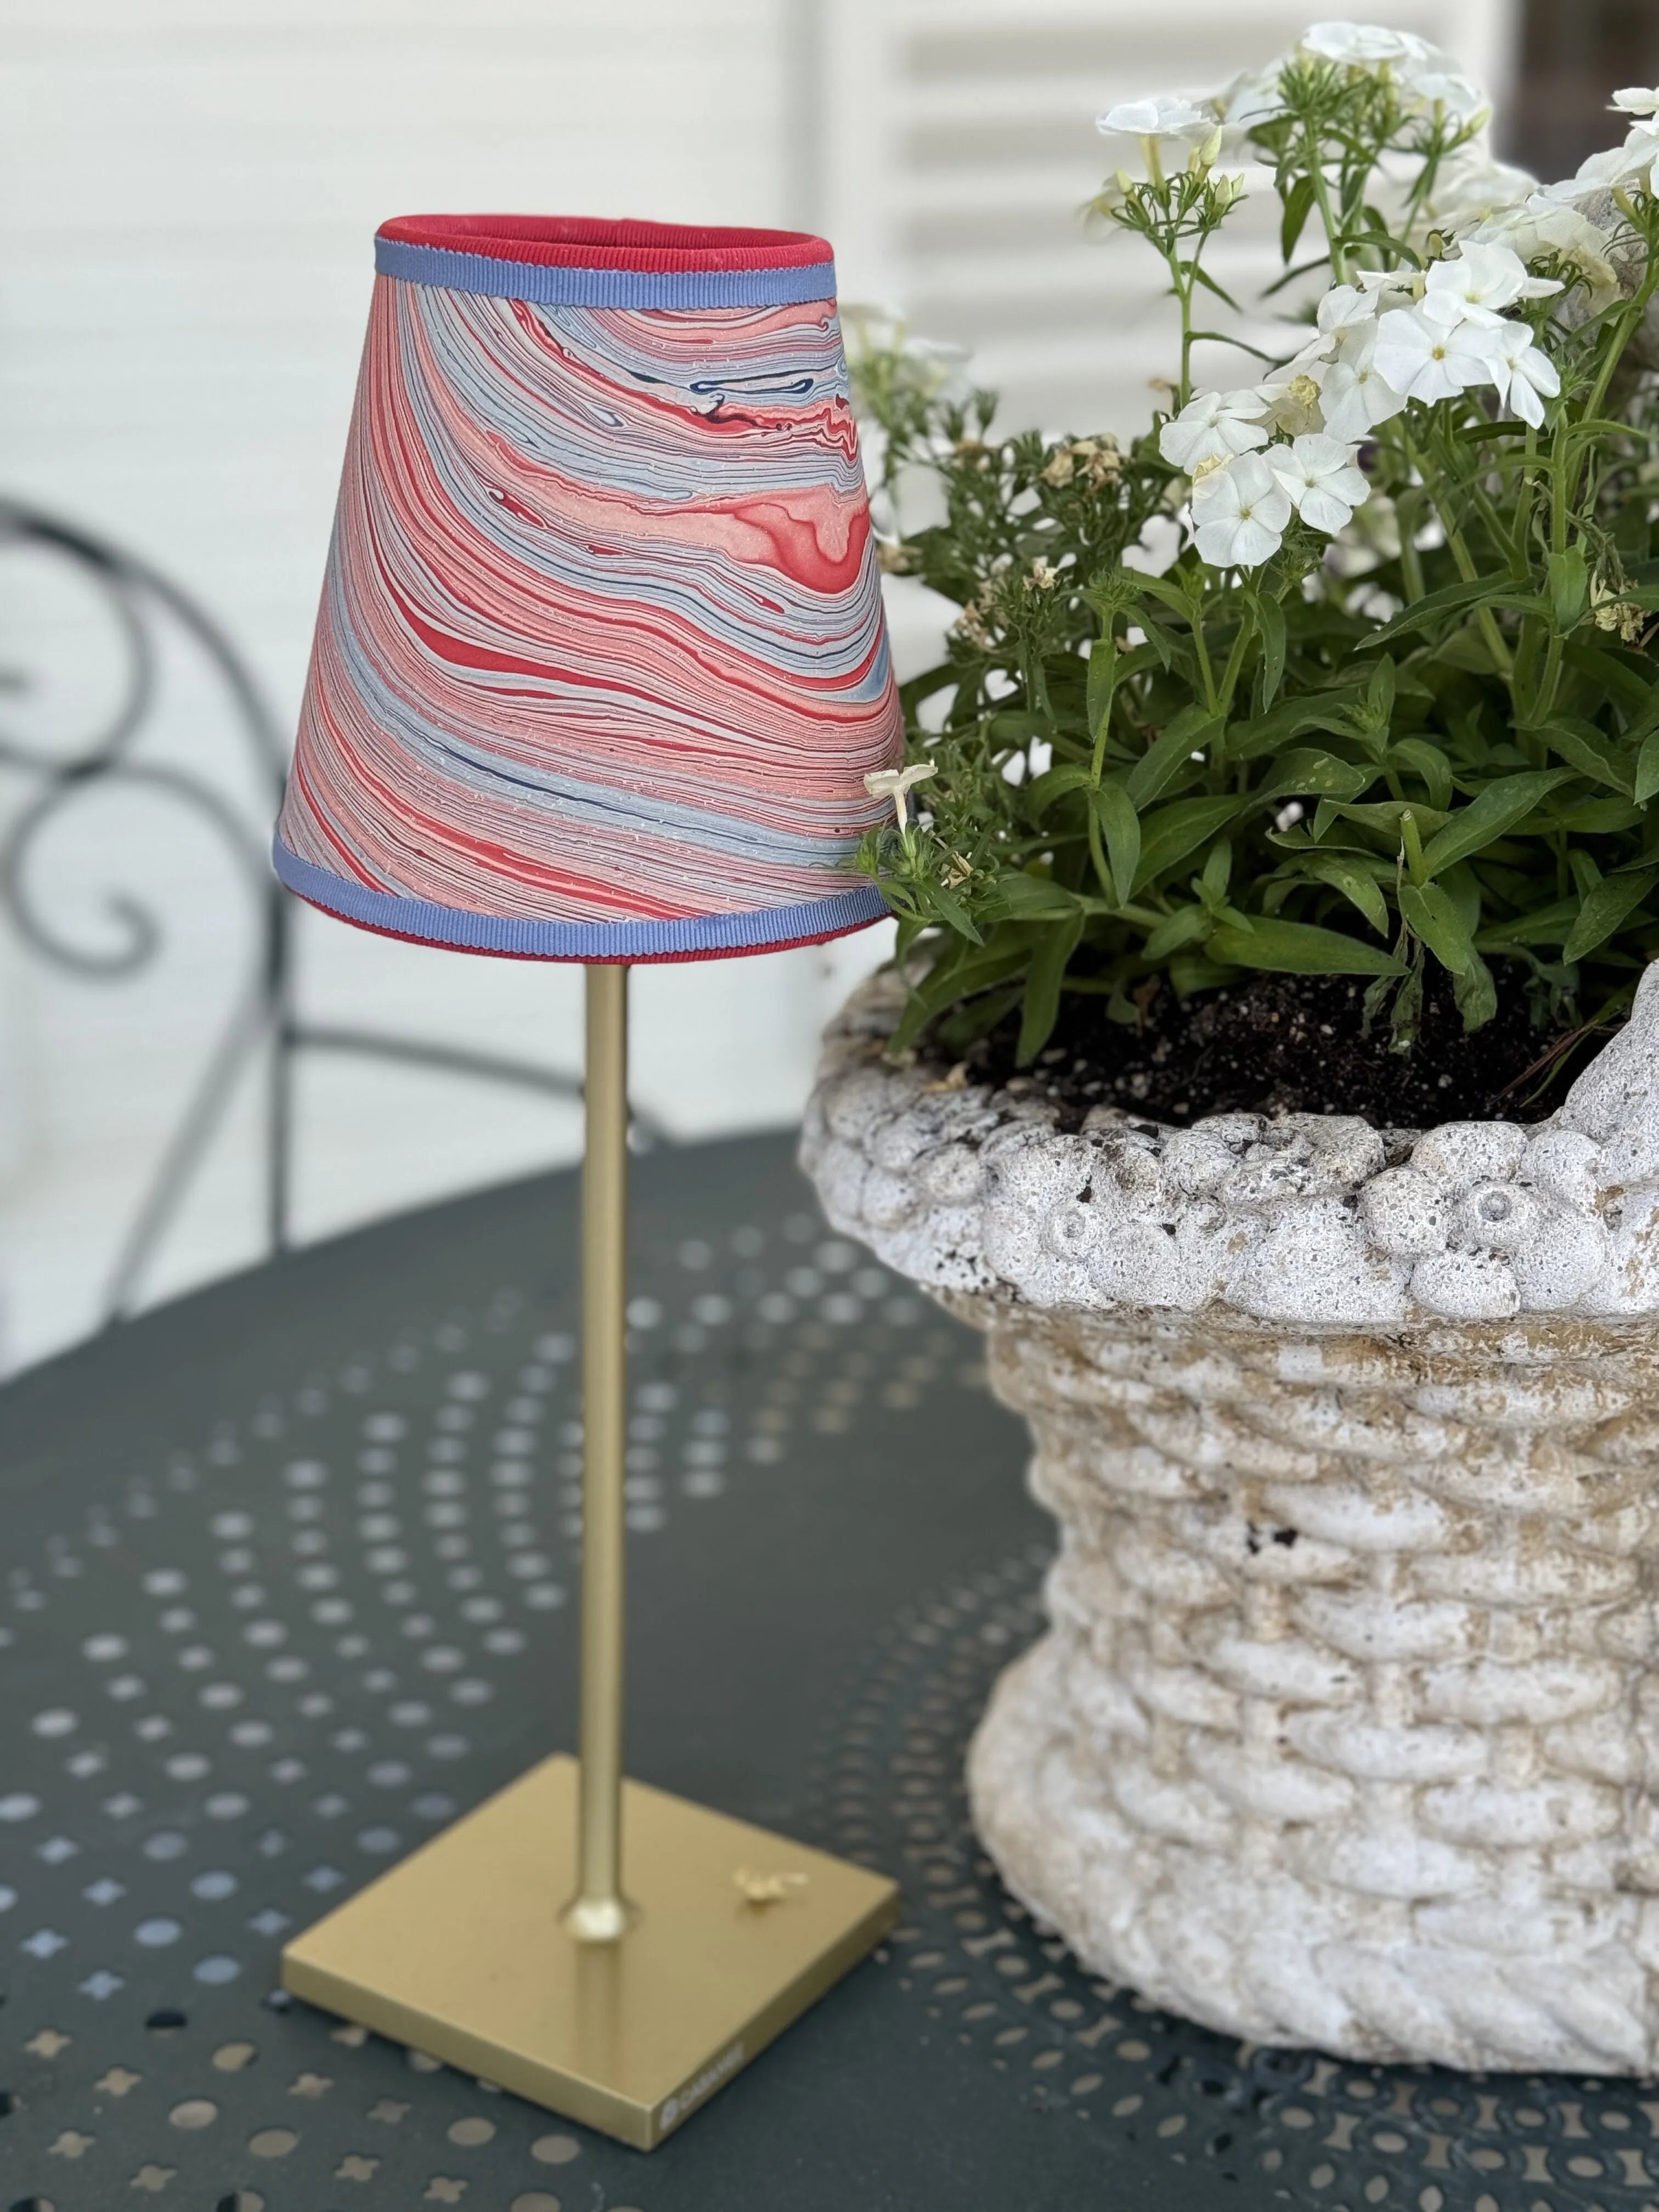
column 566, row 241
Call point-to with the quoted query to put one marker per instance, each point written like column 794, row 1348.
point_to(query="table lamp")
column 599, row 672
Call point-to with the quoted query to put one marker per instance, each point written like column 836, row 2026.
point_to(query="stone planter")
column 1345, row 1730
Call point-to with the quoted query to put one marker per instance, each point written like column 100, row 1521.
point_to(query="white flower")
column 1472, row 187
column 1637, row 100
column 1437, row 83
column 1168, row 116
column 1240, row 512
column 1379, row 282
column 1423, row 360
column 1250, row 98
column 1320, row 477
column 1348, row 319
column 1521, row 372
column 1212, row 428
column 1431, row 78
column 1479, row 282
column 1633, row 163
column 1356, row 45
column 895, row 783
column 1542, row 223
column 1355, row 397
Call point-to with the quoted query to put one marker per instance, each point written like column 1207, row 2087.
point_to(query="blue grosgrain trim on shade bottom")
column 766, row 930
column 554, row 285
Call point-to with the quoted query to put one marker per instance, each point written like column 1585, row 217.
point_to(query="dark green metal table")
column 285, row 1573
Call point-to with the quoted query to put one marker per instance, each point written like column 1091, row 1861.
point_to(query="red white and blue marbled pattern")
column 600, row 665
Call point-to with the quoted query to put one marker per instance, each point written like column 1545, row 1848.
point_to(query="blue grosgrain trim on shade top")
column 558, row 285
column 764, row 930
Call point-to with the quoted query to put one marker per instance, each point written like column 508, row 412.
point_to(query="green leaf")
column 1177, row 830
column 1427, row 761
column 1102, row 682
column 1488, row 815
column 1299, row 948
column 1451, row 599
column 1476, row 994
column 1356, row 886
column 959, row 973
column 1647, row 770
column 1590, row 751
column 1569, row 587
column 1020, row 898
column 951, row 909
column 1606, row 905
column 1121, row 827
column 1270, row 621
column 1309, row 773
column 1380, row 693
column 1333, row 711
column 1052, row 784
column 1298, row 204
column 1047, row 973
column 1432, row 915
column 1598, row 818
column 1187, row 924
column 1192, row 731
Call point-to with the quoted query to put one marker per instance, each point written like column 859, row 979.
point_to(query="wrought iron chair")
column 265, row 1022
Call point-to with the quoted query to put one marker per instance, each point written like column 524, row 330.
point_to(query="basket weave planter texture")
column 1345, row 1729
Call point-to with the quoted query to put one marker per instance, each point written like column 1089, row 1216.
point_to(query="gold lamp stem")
column 598, row 1913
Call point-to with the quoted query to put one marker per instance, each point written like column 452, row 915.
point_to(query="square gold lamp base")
column 460, row 1952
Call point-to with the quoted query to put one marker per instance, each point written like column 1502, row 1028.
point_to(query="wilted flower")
column 897, row 783
column 1611, row 612
column 1322, row 479
column 1240, row 514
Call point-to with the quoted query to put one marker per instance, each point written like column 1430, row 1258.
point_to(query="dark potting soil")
column 1292, row 1044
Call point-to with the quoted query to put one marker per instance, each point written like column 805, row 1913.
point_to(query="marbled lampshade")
column 600, row 665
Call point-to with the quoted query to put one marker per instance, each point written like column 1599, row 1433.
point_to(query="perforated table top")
column 284, row 1584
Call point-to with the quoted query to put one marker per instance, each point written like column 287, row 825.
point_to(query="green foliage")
column 1434, row 744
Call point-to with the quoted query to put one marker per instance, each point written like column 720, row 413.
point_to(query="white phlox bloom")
column 1541, row 223
column 1358, row 44
column 1321, row 478
column 1440, row 84
column 1633, row 163
column 1168, row 116
column 1378, row 283
column 1212, row 428
column 1240, row 514
column 1355, row 398
column 1432, row 78
column 1251, row 98
column 1472, row 188
column 1423, row 360
column 1524, row 371
column 1347, row 319
column 1476, row 285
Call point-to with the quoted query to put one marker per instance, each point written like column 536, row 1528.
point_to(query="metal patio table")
column 284, row 1581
